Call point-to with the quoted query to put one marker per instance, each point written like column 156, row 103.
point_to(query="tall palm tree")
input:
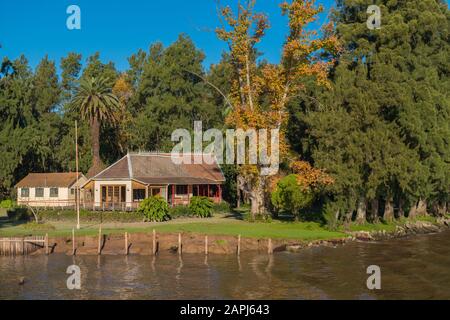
column 97, row 104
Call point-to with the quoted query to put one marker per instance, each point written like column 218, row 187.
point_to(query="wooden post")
column 173, row 195
column 126, row 243
column 46, row 243
column 239, row 245
column 154, row 243
column 73, row 242
column 270, row 247
column 23, row 246
column 206, row 245
column 99, row 249
column 179, row 244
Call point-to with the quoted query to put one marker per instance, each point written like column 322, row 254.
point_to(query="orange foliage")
column 279, row 82
column 310, row 177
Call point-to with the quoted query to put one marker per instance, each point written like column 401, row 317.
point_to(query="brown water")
column 414, row 268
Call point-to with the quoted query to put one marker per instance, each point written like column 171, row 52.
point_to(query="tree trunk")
column 442, row 208
column 389, row 209
column 349, row 216
column 401, row 210
column 413, row 211
column 422, row 208
column 362, row 211
column 238, row 193
column 375, row 207
column 97, row 164
column 257, row 199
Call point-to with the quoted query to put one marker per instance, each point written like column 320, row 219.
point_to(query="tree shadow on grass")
column 5, row 222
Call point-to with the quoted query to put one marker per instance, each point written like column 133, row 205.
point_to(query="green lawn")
column 214, row 226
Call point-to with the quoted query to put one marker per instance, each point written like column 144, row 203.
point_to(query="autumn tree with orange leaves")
column 277, row 83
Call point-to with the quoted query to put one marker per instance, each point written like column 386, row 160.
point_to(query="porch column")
column 220, row 193
column 173, row 195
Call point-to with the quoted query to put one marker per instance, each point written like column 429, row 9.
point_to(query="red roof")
column 160, row 169
column 48, row 180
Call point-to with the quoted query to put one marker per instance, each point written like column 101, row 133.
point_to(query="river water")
column 413, row 268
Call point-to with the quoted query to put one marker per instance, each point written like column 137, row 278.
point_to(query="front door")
column 113, row 194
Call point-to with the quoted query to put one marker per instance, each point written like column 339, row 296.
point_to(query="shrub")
column 223, row 207
column 18, row 214
column 154, row 209
column 289, row 196
column 34, row 226
column 180, row 212
column 201, row 207
column 90, row 216
column 7, row 204
column 331, row 215
column 262, row 218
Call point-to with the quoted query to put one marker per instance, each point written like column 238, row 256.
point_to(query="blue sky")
column 118, row 29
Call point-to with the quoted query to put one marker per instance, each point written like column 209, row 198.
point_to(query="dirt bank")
column 142, row 243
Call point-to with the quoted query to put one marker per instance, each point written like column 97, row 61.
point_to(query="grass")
column 223, row 225
column 3, row 212
column 226, row 225
column 371, row 227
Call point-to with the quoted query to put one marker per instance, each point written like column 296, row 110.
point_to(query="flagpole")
column 77, row 188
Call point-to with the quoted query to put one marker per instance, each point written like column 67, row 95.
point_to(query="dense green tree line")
column 382, row 132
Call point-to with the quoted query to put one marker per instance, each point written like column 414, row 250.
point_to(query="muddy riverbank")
column 143, row 243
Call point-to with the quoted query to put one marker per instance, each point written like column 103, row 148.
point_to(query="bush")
column 223, row 207
column 262, row 218
column 331, row 216
column 290, row 197
column 90, row 216
column 154, row 209
column 34, row 226
column 180, row 212
column 18, row 214
column 7, row 204
column 201, row 207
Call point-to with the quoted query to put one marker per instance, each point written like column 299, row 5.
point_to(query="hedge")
column 90, row 216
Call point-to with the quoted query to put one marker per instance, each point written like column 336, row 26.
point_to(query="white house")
column 49, row 189
column 138, row 176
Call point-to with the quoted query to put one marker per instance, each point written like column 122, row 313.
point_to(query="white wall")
column 64, row 198
column 98, row 190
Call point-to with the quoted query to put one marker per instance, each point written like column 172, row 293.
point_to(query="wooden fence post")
column 206, row 245
column 180, row 244
column 239, row 245
column 270, row 247
column 154, row 243
column 126, row 243
column 73, row 241
column 99, row 250
column 46, row 243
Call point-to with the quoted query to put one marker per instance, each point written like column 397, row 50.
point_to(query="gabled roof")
column 158, row 168
column 49, row 180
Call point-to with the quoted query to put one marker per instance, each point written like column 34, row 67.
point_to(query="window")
column 156, row 192
column 39, row 192
column 182, row 190
column 25, row 192
column 138, row 194
column 54, row 192
column 72, row 192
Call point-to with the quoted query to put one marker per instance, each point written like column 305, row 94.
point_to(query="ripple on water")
column 413, row 268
